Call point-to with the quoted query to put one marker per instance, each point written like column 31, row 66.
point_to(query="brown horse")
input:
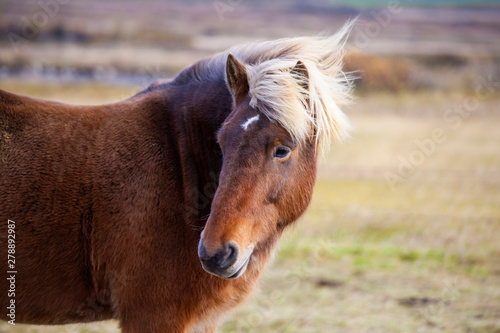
column 106, row 211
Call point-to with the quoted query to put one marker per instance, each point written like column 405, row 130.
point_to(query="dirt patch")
column 327, row 283
column 412, row 302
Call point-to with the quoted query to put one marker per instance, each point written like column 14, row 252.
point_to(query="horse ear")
column 301, row 74
column 236, row 78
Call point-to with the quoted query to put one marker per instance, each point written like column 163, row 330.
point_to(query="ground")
column 402, row 234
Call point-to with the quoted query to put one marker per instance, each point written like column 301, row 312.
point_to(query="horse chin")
column 241, row 270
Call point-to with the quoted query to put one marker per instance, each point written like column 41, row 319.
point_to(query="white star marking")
column 249, row 121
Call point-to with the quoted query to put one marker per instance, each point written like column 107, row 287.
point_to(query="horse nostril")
column 223, row 258
column 229, row 255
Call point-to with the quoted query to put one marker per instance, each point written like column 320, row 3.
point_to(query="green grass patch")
column 362, row 256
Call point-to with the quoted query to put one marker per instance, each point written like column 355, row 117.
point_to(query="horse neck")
column 203, row 107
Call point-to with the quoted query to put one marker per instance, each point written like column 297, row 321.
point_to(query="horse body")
column 97, row 194
column 115, row 205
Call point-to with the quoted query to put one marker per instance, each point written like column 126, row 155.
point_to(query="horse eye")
column 282, row 152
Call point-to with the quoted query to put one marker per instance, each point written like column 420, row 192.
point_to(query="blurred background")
column 403, row 232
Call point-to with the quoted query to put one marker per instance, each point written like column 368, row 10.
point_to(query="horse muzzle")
column 225, row 262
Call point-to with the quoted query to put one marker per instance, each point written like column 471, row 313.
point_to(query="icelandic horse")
column 160, row 211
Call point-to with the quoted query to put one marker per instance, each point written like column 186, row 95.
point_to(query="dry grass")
column 157, row 38
column 368, row 257
column 378, row 73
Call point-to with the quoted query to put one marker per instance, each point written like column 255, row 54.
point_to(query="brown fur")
column 110, row 202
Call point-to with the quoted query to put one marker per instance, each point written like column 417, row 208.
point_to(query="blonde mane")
column 305, row 106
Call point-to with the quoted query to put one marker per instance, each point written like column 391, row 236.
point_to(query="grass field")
column 373, row 254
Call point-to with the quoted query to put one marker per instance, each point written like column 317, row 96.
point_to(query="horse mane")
column 305, row 106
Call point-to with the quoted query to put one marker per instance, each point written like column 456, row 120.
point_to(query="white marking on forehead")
column 249, row 121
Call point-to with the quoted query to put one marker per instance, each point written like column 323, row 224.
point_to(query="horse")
column 161, row 210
